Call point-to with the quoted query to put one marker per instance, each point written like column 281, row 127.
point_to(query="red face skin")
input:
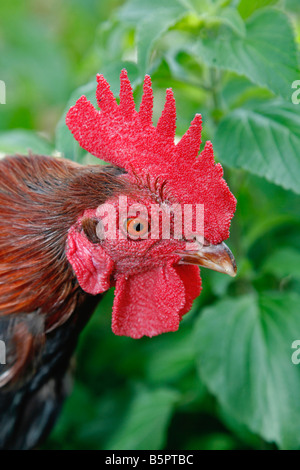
column 153, row 291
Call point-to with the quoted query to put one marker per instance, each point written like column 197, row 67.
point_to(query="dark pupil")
column 138, row 227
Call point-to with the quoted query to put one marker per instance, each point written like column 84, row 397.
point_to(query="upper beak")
column 216, row 257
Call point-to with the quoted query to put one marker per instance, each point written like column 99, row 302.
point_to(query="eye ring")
column 136, row 227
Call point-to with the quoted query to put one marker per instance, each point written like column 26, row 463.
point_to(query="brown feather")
column 40, row 199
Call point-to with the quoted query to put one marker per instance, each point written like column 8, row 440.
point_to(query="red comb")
column 124, row 137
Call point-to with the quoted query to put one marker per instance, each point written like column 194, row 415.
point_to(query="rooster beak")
column 216, row 257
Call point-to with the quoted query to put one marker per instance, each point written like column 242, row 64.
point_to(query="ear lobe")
column 92, row 265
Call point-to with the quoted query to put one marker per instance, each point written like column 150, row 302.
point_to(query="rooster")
column 70, row 232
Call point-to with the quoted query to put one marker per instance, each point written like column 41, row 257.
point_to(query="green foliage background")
column 225, row 380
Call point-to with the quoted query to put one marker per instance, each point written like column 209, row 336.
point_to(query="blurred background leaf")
column 244, row 349
column 144, row 427
column 283, row 263
column 225, row 380
column 24, row 141
column 272, row 132
column 266, row 54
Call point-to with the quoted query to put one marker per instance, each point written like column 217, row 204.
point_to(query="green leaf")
column 171, row 358
column 284, row 262
column 247, row 8
column 292, row 5
column 245, row 358
column 239, row 90
column 149, row 31
column 21, row 141
column 153, row 19
column 264, row 140
column 230, row 16
column 146, row 424
column 267, row 55
column 136, row 10
column 214, row 441
column 268, row 223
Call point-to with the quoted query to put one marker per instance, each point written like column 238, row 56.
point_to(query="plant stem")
column 214, row 81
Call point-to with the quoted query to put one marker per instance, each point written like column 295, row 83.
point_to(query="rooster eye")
column 136, row 228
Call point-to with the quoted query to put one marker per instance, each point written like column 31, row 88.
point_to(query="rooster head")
column 172, row 216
